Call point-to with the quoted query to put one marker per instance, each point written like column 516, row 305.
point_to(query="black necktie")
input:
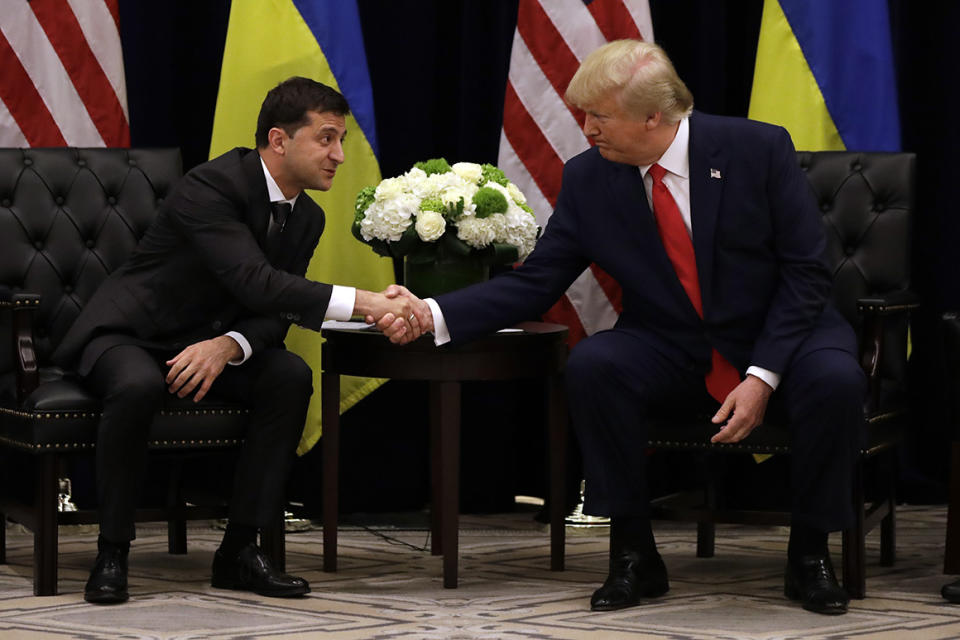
column 280, row 211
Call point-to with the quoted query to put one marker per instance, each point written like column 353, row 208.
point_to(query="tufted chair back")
column 70, row 216
column 867, row 204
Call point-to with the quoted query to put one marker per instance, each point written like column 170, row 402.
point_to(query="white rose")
column 430, row 225
column 516, row 194
column 389, row 189
column 469, row 171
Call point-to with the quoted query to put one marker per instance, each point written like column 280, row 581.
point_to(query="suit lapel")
column 708, row 165
column 635, row 216
column 258, row 203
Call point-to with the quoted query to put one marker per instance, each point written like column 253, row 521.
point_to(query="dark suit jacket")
column 202, row 269
column 757, row 235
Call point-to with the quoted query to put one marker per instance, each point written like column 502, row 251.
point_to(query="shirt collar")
column 676, row 159
column 273, row 191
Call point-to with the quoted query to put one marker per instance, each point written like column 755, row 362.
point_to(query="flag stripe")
column 610, row 287
column 613, row 19
column 25, row 105
column 546, row 45
column 526, row 137
column 10, row 133
column 511, row 164
column 101, row 29
column 573, row 21
column 544, row 104
column 93, row 87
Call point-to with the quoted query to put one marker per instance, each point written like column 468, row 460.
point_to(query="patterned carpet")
column 389, row 590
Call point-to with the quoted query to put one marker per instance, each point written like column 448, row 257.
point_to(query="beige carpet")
column 388, row 590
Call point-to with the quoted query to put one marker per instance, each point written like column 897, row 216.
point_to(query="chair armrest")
column 896, row 302
column 26, row 371
column 875, row 310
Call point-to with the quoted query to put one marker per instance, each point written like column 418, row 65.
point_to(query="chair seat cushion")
column 60, row 415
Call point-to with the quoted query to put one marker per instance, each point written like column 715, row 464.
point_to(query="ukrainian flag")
column 825, row 72
column 267, row 42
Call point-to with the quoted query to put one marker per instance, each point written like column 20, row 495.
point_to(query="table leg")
column 445, row 419
column 330, row 440
column 557, row 419
column 436, row 502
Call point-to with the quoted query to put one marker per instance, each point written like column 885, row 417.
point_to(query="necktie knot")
column 280, row 211
column 657, row 172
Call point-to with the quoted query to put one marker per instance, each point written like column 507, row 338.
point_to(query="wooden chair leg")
column 177, row 522
column 45, row 535
column 330, row 441
column 557, row 427
column 951, row 556
column 707, row 531
column 273, row 543
column 854, row 542
column 888, row 525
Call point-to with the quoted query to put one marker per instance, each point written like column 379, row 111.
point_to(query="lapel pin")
column 715, row 173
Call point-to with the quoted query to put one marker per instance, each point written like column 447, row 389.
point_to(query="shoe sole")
column 106, row 598
column 651, row 593
column 277, row 593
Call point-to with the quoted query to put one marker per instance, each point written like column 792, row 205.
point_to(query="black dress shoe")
column 951, row 592
column 250, row 570
column 108, row 580
column 633, row 576
column 812, row 581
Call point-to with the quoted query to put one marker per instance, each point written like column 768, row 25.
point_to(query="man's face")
column 619, row 136
column 314, row 151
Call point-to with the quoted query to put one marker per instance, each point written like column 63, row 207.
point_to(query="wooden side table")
column 537, row 351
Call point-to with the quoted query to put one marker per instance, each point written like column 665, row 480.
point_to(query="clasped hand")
column 400, row 315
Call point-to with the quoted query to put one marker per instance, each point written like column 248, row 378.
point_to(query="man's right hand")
column 395, row 312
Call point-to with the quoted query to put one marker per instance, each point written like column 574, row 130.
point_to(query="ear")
column 653, row 120
column 276, row 138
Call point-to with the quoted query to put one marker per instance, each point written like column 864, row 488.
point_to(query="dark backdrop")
column 438, row 69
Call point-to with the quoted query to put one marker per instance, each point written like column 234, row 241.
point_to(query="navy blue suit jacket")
column 757, row 235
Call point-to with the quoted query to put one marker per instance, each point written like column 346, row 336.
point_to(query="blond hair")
column 640, row 73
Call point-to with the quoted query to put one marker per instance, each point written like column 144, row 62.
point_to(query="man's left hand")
column 743, row 410
column 199, row 365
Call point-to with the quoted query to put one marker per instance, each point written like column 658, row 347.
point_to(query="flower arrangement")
column 440, row 213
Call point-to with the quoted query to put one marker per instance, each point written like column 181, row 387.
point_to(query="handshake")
column 400, row 315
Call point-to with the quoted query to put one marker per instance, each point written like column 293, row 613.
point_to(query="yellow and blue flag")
column 825, row 72
column 267, row 42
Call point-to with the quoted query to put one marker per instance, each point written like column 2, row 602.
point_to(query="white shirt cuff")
column 244, row 345
column 341, row 304
column 772, row 379
column 440, row 333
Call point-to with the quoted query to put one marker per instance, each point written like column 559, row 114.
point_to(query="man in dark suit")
column 203, row 305
column 710, row 228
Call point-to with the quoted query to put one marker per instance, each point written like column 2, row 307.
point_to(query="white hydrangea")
column 469, row 171
column 476, row 232
column 520, row 230
column 388, row 219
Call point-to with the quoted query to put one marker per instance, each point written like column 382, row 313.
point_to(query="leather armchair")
column 867, row 204
column 68, row 217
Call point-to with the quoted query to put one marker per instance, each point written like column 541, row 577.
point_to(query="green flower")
column 364, row 199
column 492, row 174
column 433, row 165
column 433, row 204
column 489, row 201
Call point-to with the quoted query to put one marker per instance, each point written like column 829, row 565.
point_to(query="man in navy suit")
column 711, row 229
column 203, row 304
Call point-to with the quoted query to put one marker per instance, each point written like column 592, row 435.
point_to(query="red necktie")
column 722, row 377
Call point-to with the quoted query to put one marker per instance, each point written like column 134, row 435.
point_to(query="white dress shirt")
column 676, row 160
column 342, row 299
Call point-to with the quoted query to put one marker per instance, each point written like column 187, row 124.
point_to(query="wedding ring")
column 412, row 316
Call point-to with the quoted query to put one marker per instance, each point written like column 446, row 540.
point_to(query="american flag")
column 61, row 74
column 541, row 132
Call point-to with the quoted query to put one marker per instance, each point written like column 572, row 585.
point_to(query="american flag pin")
column 715, row 173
